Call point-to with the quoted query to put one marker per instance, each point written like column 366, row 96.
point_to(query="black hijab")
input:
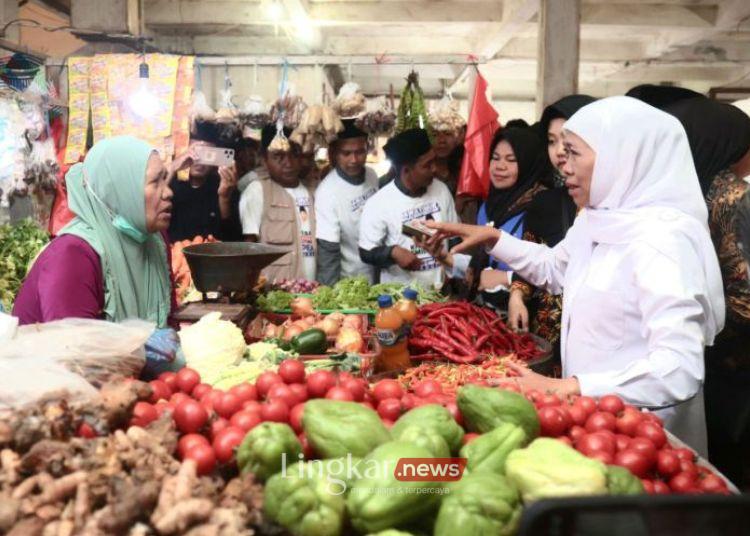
column 661, row 96
column 563, row 109
column 719, row 135
column 533, row 167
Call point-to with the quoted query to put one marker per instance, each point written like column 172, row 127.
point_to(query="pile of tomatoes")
column 616, row 433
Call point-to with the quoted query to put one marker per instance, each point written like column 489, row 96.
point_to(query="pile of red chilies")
column 465, row 333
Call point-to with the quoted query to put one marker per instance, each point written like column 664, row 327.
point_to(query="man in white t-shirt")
column 412, row 195
column 339, row 201
column 290, row 220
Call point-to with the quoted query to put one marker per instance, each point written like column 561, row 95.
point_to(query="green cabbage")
column 211, row 345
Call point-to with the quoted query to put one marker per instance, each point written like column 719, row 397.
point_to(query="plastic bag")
column 70, row 356
column 350, row 101
column 199, row 108
column 444, row 117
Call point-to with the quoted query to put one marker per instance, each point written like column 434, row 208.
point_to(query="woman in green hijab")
column 110, row 261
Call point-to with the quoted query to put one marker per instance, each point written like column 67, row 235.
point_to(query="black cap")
column 269, row 133
column 207, row 131
column 350, row 131
column 408, row 146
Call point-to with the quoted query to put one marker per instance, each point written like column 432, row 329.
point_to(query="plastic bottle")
column 408, row 309
column 394, row 354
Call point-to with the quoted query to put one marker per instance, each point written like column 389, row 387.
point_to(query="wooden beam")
column 516, row 14
column 335, row 77
column 557, row 65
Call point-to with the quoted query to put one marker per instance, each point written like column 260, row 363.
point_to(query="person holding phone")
column 208, row 202
column 642, row 285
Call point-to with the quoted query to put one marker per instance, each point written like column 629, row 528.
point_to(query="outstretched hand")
column 470, row 235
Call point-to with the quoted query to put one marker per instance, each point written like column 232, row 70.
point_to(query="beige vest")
column 279, row 227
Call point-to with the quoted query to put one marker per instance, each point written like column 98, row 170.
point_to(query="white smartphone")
column 214, row 156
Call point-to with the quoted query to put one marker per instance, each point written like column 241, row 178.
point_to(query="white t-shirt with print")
column 251, row 215
column 388, row 210
column 338, row 210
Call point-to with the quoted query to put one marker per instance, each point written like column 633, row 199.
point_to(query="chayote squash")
column 548, row 468
column 392, row 532
column 620, row 481
column 380, row 501
column 428, row 438
column 488, row 452
column 481, row 504
column 433, row 417
column 485, row 408
column 304, row 504
column 340, row 473
column 266, row 448
column 336, row 429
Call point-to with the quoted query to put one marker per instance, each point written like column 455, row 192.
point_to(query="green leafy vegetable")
column 276, row 300
column 19, row 245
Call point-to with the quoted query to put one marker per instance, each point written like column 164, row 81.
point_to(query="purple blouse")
column 66, row 281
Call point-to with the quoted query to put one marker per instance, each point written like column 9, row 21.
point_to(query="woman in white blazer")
column 643, row 291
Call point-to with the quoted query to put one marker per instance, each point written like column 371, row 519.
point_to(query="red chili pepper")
column 481, row 340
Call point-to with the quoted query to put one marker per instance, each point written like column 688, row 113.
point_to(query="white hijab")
column 644, row 187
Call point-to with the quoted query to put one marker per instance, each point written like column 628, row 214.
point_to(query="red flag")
column 474, row 180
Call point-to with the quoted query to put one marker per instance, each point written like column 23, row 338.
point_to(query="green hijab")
column 106, row 193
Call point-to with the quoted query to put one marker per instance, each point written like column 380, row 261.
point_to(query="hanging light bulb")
column 143, row 102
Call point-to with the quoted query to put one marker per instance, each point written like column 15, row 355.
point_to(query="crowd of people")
column 616, row 229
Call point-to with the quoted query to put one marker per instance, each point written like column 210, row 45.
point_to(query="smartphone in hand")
column 417, row 229
column 214, row 156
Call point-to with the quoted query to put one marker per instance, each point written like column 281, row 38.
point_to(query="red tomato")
column 648, row 486
column 389, row 409
column 357, row 387
column 190, row 416
column 683, row 483
column 667, row 463
column 187, row 379
column 549, row 400
column 468, row 438
column 245, row 419
column 611, row 404
column 621, row 442
column 204, row 457
column 227, row 405
column 452, row 407
column 427, row 388
column 652, row 431
column 299, row 390
column 554, row 421
column 265, row 381
column 178, row 397
column 319, row 382
column 217, row 425
column 408, row 401
column 159, row 391
column 86, row 431
column 534, row 395
column 387, row 389
column 188, row 441
column 245, row 391
column 292, row 371
column 275, row 411
column 295, row 417
column 344, row 377
column 651, row 417
column 210, row 399
column 685, row 454
column 170, row 378
column 628, row 421
column 661, row 488
column 163, row 407
column 388, row 423
column 577, row 414
column 143, row 414
column 689, row 467
column 226, row 442
column 283, row 393
column 200, row 390
column 339, row 393
column 307, row 449
column 367, row 405
column 566, row 440
column 602, row 456
column 599, row 420
column 644, row 446
column 252, row 405
column 713, row 484
column 590, row 444
column 587, row 403
column 634, row 461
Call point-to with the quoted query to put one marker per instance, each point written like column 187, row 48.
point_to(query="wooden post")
column 115, row 16
column 559, row 41
column 9, row 12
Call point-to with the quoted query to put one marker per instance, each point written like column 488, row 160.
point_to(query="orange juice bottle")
column 394, row 354
column 407, row 308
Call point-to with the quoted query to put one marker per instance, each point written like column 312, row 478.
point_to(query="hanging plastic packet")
column 253, row 117
column 227, row 110
column 444, row 116
column 350, row 102
column 319, row 126
column 378, row 120
column 280, row 143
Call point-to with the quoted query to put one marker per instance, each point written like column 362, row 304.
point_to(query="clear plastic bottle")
column 408, row 309
column 394, row 354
